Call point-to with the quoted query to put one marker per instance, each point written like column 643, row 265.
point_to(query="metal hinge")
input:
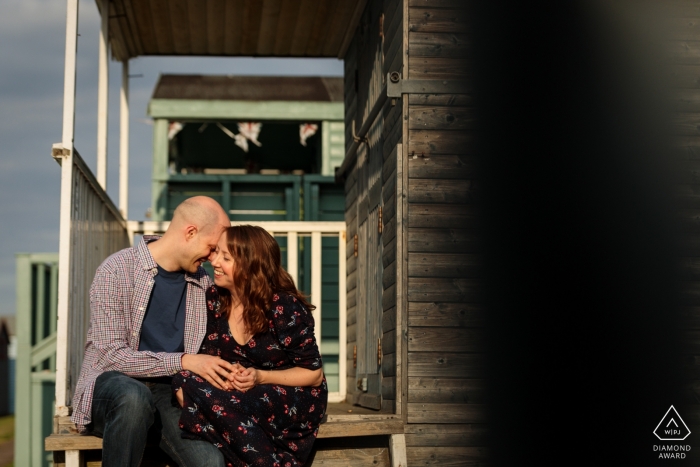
column 355, row 245
column 395, row 86
column 380, row 219
column 379, row 352
column 354, row 357
column 58, row 152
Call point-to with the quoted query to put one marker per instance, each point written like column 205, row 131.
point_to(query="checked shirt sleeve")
column 112, row 335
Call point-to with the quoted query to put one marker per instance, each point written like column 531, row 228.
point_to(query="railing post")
column 293, row 255
column 23, row 370
column 124, row 141
column 66, row 204
column 342, row 314
column 103, row 95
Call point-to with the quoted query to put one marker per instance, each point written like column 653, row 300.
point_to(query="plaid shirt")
column 119, row 297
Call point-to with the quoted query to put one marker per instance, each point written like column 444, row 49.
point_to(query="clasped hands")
column 220, row 373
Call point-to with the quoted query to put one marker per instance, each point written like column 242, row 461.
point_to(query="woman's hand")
column 247, row 378
column 180, row 398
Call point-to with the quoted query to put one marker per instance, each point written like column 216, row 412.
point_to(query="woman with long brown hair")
column 268, row 410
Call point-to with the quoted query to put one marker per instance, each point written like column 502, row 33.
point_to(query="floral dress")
column 269, row 425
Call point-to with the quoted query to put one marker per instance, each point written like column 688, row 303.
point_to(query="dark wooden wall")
column 376, row 49
column 445, row 386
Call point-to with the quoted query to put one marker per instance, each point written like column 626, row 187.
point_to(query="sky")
column 32, row 35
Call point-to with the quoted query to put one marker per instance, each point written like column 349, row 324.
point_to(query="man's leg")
column 122, row 413
column 186, row 452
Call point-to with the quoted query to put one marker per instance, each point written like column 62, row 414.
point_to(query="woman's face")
column 222, row 263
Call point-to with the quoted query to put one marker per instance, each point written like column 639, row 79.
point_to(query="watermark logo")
column 672, row 427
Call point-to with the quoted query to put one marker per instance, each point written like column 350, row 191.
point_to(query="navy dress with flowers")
column 269, row 425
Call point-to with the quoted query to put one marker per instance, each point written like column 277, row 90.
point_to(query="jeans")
column 126, row 412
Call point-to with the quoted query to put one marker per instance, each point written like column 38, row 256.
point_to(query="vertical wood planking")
column 215, row 26
column 269, row 23
column 233, row 33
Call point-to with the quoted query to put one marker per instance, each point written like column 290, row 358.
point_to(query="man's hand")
column 180, row 397
column 216, row 370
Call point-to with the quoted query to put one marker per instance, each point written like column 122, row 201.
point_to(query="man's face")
column 203, row 245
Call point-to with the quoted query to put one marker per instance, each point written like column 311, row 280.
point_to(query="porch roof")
column 262, row 28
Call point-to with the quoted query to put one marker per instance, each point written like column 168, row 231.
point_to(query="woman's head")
column 247, row 266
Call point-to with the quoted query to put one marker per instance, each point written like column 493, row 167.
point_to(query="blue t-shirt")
column 163, row 328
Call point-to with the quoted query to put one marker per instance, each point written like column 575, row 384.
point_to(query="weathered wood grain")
column 141, row 11
column 443, row 240
column 446, row 191
column 302, row 31
column 351, row 315
column 389, row 365
column 376, row 457
column 439, row 20
column 285, row 29
column 351, row 263
column 443, row 100
column 389, row 341
column 447, row 390
column 389, row 207
column 389, row 169
column 447, row 456
column 423, row 412
column 433, row 339
column 432, row 44
column 234, row 32
column 159, row 14
column 389, row 319
column 439, row 68
column 389, row 297
column 215, row 25
column 389, row 275
column 180, row 33
column 441, row 118
column 197, row 22
column 389, row 252
column 351, row 299
column 444, row 265
column 428, row 289
column 320, row 27
column 446, row 435
column 439, row 166
column 332, row 42
column 269, row 24
column 352, row 334
column 441, row 314
column 389, row 190
column 389, row 231
column 351, row 281
column 451, row 365
column 430, row 142
column 389, row 387
column 444, row 216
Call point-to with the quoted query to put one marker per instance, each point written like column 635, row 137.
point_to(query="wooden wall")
column 433, row 376
column 445, row 385
column 376, row 49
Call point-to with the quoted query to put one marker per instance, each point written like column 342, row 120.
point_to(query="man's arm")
column 110, row 334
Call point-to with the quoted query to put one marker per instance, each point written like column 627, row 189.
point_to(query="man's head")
column 193, row 234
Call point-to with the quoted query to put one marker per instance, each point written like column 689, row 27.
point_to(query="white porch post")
column 66, row 151
column 316, row 261
column 124, row 141
column 103, row 96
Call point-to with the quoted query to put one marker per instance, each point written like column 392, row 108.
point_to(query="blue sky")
column 32, row 34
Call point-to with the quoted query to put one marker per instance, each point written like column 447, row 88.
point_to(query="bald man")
column 147, row 321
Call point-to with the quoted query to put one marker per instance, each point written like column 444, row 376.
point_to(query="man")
column 147, row 322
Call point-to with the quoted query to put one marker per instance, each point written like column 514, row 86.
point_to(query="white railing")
column 293, row 231
column 91, row 229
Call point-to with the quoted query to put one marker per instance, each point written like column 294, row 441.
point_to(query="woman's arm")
column 248, row 378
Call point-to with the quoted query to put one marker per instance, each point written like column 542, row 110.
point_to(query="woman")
column 259, row 321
